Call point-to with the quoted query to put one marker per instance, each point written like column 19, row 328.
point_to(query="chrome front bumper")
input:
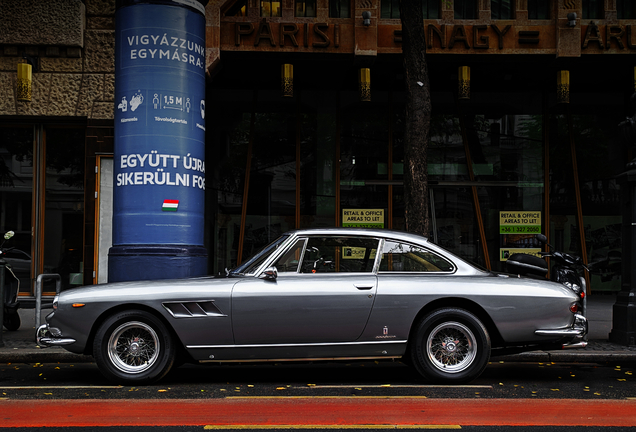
column 50, row 336
column 577, row 332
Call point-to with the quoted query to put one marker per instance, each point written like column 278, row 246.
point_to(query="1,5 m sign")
column 515, row 222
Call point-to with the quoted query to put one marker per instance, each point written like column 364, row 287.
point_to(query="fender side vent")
column 193, row 309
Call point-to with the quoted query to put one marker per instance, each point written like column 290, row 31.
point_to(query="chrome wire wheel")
column 133, row 347
column 451, row 347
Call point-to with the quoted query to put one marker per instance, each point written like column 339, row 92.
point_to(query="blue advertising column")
column 159, row 175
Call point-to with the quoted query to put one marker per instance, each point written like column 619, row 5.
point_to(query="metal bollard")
column 38, row 293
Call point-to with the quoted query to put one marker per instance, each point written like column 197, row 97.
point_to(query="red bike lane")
column 327, row 412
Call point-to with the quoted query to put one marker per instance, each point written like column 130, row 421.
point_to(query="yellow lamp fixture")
column 463, row 82
column 24, row 81
column 563, row 87
column 287, row 80
column 364, row 84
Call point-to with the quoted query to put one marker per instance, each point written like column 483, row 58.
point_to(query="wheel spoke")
column 133, row 347
column 451, row 347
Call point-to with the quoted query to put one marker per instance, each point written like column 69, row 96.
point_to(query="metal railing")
column 38, row 293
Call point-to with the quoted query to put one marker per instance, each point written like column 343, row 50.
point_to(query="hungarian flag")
column 170, row 205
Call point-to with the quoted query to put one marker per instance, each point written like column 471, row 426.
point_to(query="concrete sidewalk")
column 20, row 346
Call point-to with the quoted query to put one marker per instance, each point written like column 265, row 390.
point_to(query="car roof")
column 370, row 232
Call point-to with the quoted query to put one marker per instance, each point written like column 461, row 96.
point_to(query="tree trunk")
column 417, row 118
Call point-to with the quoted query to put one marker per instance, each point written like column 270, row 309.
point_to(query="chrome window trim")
column 426, row 248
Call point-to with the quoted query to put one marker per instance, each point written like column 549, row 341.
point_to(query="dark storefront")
column 324, row 150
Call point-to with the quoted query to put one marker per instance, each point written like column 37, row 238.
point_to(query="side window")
column 339, row 255
column 403, row 257
column 291, row 259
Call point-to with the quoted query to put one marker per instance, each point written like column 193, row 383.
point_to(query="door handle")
column 363, row 287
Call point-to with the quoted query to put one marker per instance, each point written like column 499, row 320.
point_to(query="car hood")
column 164, row 289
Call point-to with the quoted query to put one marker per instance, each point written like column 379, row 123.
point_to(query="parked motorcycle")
column 565, row 270
column 10, row 303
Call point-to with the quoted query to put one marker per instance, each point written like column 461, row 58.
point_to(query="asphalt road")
column 330, row 396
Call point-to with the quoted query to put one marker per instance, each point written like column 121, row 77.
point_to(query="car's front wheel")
column 450, row 346
column 133, row 347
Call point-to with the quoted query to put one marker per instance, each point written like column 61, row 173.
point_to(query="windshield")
column 250, row 266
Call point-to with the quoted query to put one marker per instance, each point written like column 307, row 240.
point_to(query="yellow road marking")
column 326, row 397
column 57, row 387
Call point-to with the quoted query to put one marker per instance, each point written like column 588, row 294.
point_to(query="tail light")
column 575, row 307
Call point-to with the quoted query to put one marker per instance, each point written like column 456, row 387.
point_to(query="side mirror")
column 542, row 238
column 269, row 274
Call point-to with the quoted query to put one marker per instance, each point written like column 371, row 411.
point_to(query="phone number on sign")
column 519, row 229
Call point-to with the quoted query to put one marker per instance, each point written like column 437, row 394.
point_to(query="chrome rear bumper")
column 50, row 336
column 577, row 331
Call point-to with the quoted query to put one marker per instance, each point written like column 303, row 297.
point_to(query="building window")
column 626, row 9
column 339, row 9
column 305, row 8
column 391, row 9
column 593, row 9
column 538, row 9
column 501, row 9
column 239, row 8
column 270, row 8
column 465, row 9
column 430, row 9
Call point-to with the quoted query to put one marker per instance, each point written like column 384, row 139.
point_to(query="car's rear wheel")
column 133, row 347
column 450, row 346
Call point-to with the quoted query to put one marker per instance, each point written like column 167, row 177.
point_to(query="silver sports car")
column 320, row 294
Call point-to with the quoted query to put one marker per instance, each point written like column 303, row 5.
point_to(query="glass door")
column 42, row 201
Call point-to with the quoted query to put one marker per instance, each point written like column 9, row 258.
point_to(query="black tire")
column 11, row 321
column 450, row 346
column 133, row 347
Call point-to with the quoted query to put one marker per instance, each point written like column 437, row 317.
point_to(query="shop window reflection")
column 363, row 156
column 596, row 138
column 16, row 189
column 271, row 204
column 317, row 160
column 230, row 159
column 64, row 220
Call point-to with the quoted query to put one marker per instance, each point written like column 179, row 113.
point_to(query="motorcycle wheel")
column 11, row 321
